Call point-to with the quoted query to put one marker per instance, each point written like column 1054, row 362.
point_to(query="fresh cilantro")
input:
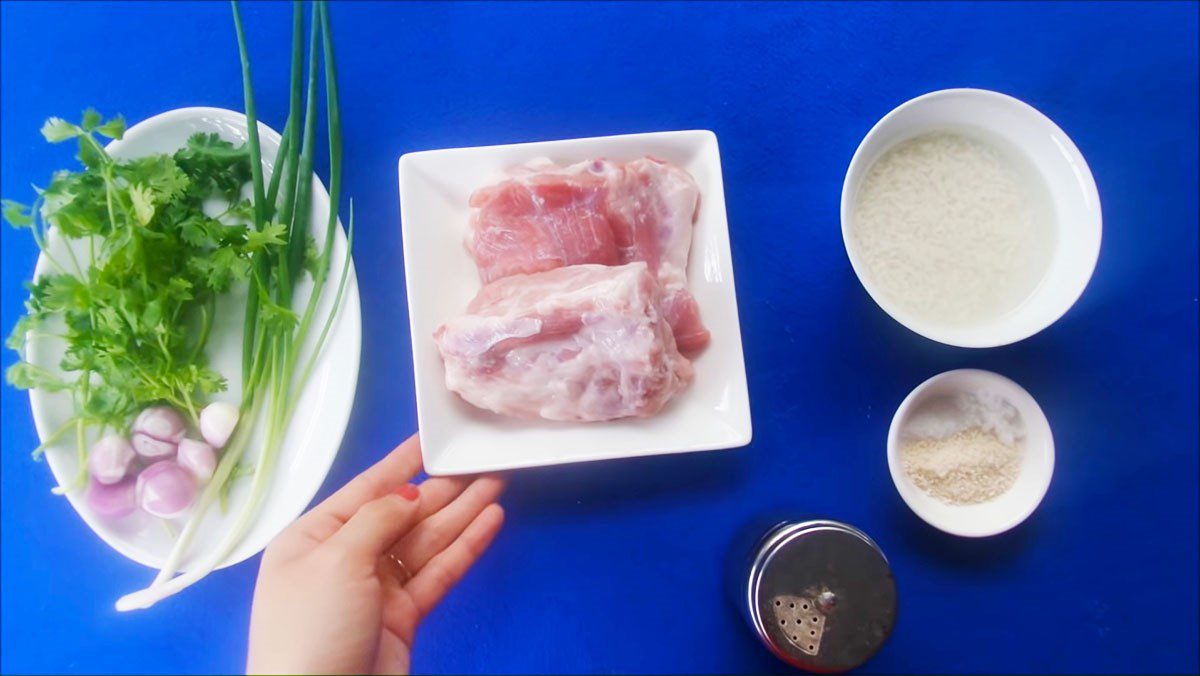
column 136, row 319
column 26, row 376
column 16, row 214
column 114, row 128
column 272, row 234
column 143, row 203
column 57, row 129
column 312, row 257
column 91, row 119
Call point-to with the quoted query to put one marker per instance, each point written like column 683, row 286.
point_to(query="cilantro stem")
column 81, row 457
column 190, row 408
column 41, row 245
column 54, row 437
column 206, row 314
column 39, row 233
column 90, row 140
column 74, row 260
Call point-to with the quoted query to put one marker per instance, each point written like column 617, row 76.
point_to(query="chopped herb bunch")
column 133, row 292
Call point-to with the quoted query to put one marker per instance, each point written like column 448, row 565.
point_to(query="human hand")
column 330, row 596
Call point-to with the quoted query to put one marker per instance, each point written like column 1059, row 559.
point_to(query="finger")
column 400, row 615
column 376, row 526
column 385, row 476
column 391, row 657
column 445, row 570
column 435, row 533
column 438, row 492
column 316, row 527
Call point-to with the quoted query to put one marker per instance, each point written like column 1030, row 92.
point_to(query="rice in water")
column 953, row 229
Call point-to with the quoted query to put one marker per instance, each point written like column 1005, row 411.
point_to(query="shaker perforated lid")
column 821, row 595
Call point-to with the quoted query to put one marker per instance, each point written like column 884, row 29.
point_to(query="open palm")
column 343, row 589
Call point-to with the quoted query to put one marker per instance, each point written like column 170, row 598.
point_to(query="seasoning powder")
column 964, row 449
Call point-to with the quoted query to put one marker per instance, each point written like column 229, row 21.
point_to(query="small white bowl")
column 1005, row 511
column 1072, row 189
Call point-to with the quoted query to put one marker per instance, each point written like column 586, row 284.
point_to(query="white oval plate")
column 322, row 412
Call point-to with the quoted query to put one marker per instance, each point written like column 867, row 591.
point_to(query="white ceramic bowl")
column 314, row 433
column 457, row 438
column 1076, row 204
column 1005, row 511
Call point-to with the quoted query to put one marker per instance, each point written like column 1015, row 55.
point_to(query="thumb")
column 376, row 526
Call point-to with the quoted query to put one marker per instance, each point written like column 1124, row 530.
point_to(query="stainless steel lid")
column 820, row 595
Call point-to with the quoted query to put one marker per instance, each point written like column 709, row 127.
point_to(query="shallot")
column 110, row 458
column 156, row 432
column 217, row 421
column 165, row 489
column 161, row 422
column 112, row 500
column 197, row 457
column 152, row 449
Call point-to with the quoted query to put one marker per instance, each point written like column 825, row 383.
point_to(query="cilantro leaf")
column 18, row 215
column 275, row 315
column 25, row 376
column 89, row 153
column 91, row 119
column 220, row 269
column 27, row 323
column 143, row 203
column 272, row 234
column 159, row 174
column 113, row 128
column 312, row 258
column 57, row 129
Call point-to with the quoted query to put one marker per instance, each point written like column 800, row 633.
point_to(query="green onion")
column 274, row 334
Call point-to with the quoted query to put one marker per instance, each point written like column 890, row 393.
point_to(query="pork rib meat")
column 578, row 343
column 545, row 216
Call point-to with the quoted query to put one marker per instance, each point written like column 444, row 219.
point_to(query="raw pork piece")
column 578, row 343
column 538, row 222
column 546, row 216
column 651, row 207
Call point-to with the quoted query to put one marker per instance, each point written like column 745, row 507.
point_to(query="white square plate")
column 457, row 438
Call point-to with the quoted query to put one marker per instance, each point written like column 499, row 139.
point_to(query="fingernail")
column 408, row 492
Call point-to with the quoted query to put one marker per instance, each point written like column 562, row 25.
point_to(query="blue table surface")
column 616, row 567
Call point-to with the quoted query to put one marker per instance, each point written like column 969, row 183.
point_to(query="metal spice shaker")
column 819, row 594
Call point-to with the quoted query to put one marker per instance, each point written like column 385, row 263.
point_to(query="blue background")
column 615, row 567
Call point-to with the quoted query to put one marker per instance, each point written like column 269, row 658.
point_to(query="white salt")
column 941, row 417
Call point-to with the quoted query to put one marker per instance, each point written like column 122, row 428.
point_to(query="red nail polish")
column 408, row 492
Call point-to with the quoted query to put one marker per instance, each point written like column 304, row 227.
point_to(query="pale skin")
column 330, row 599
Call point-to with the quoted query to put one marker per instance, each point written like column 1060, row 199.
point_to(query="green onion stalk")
column 273, row 374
